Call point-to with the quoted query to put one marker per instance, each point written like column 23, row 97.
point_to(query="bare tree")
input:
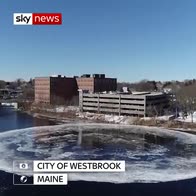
column 2, row 84
column 143, row 85
column 186, row 98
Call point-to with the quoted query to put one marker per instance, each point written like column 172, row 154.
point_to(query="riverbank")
column 62, row 114
column 161, row 122
column 59, row 114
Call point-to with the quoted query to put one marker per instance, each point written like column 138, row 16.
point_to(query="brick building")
column 96, row 83
column 55, row 90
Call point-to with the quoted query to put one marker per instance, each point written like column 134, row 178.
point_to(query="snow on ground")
column 163, row 118
column 107, row 118
column 187, row 118
column 103, row 117
column 119, row 119
column 61, row 109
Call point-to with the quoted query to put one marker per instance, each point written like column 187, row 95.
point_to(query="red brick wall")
column 42, row 90
column 86, row 84
column 55, row 90
column 97, row 84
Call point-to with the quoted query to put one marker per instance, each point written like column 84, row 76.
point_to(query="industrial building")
column 96, row 83
column 55, row 89
column 137, row 104
column 60, row 89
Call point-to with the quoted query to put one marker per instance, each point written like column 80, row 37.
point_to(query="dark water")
column 9, row 119
column 181, row 188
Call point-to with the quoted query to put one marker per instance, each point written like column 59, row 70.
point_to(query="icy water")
column 151, row 154
column 158, row 161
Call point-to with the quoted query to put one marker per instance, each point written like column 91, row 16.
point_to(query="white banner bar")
column 50, row 179
column 79, row 166
column 22, row 19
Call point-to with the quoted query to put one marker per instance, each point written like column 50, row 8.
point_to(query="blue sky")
column 128, row 39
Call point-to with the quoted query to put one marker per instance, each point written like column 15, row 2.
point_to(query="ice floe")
column 151, row 154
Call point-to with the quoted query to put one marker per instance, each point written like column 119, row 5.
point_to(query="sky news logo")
column 37, row 18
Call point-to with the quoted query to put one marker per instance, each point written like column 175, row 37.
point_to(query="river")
column 157, row 162
column 10, row 119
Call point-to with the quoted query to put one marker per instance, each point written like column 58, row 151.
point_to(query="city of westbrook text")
column 79, row 166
